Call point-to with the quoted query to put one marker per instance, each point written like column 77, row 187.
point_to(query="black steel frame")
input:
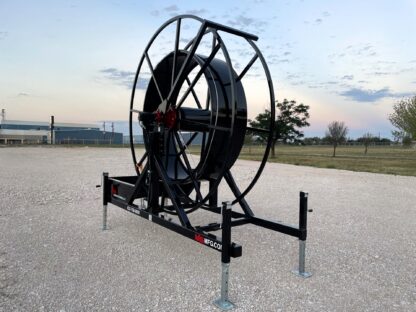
column 202, row 234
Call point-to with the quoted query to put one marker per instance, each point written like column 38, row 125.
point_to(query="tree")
column 404, row 118
column 366, row 139
column 336, row 134
column 290, row 118
column 248, row 141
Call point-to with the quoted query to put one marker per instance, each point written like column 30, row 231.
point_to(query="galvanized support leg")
column 303, row 213
column 104, row 217
column 301, row 270
column 106, row 194
column 223, row 303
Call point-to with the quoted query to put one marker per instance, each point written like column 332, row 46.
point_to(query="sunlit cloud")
column 362, row 95
column 124, row 78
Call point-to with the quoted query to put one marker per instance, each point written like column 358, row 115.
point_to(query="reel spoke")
column 198, row 103
column 258, row 130
column 193, row 136
column 153, row 76
column 199, row 74
column 248, row 66
column 175, row 53
column 187, row 61
column 189, row 44
column 188, row 166
column 140, row 162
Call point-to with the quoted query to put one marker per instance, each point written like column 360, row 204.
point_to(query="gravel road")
column 54, row 256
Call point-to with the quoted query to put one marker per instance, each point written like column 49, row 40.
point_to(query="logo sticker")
column 206, row 241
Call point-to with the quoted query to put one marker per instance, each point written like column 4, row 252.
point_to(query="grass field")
column 379, row 159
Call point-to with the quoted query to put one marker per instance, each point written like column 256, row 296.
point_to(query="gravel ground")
column 54, row 256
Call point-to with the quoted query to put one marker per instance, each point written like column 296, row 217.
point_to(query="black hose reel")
column 192, row 107
column 218, row 118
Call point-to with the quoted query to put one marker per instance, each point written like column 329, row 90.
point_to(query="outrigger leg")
column 223, row 303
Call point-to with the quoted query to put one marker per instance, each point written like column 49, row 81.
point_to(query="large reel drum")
column 214, row 127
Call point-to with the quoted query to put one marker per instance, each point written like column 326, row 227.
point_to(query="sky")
column 348, row 60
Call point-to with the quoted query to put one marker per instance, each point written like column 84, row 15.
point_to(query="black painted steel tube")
column 226, row 232
column 303, row 214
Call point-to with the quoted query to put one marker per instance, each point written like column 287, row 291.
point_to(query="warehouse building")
column 34, row 132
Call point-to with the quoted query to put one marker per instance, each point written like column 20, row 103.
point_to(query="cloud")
column 197, row 12
column 292, row 76
column 171, row 8
column 185, row 40
column 318, row 21
column 244, row 22
column 336, row 55
column 347, row 77
column 361, row 95
column 124, row 78
column 364, row 50
column 380, row 73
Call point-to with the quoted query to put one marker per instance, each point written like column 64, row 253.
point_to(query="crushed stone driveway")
column 54, row 256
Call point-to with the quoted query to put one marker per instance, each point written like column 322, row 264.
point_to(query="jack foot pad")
column 302, row 274
column 224, row 305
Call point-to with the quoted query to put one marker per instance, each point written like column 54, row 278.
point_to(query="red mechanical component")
column 168, row 119
column 114, row 190
column 159, row 117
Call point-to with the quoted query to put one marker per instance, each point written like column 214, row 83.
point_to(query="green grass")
column 379, row 159
column 386, row 159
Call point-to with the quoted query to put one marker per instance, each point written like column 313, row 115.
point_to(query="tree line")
column 291, row 117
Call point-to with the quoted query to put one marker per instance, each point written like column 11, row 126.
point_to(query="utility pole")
column 52, row 127
column 112, row 132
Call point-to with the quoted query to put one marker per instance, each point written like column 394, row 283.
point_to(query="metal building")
column 34, row 132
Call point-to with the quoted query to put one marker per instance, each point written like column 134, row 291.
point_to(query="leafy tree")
column 336, row 134
column 366, row 139
column 290, row 118
column 404, row 118
column 407, row 141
